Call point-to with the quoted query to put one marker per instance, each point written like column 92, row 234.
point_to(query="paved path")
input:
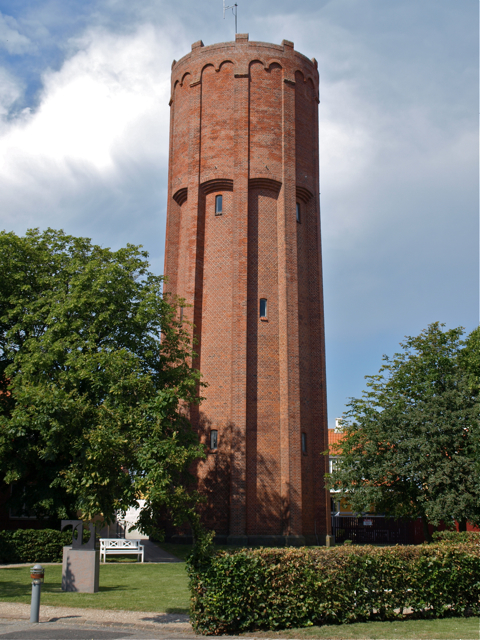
column 154, row 553
column 70, row 623
column 15, row 616
column 19, row 630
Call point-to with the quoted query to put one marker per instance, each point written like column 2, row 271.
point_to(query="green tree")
column 470, row 358
column 94, row 372
column 410, row 443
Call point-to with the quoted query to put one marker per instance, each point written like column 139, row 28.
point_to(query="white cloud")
column 347, row 142
column 11, row 39
column 102, row 114
column 92, row 102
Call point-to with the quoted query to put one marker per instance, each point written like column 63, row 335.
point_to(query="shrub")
column 271, row 589
column 457, row 536
column 34, row 545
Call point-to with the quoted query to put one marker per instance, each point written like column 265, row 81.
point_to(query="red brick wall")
column 215, row 348
column 244, row 124
column 266, row 121
column 264, row 506
column 217, row 123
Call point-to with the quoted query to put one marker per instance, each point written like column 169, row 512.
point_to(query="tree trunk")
column 462, row 525
column 426, row 532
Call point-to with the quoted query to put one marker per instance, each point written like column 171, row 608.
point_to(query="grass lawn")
column 134, row 587
column 445, row 629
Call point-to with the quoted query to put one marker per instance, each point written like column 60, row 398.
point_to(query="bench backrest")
column 118, row 543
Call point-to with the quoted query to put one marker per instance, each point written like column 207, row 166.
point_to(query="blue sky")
column 84, row 90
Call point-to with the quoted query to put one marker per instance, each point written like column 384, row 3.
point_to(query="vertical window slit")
column 304, row 443
column 263, row 307
column 213, row 439
column 218, row 205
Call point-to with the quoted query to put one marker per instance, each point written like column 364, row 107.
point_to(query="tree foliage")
column 94, row 368
column 411, row 442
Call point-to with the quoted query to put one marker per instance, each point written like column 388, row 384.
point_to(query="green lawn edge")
column 439, row 629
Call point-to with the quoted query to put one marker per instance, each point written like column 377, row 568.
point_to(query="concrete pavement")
column 69, row 623
column 154, row 553
column 57, row 630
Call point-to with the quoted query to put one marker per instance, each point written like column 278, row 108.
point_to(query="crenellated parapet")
column 241, row 54
column 205, row 84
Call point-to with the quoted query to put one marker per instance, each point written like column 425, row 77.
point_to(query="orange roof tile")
column 334, row 436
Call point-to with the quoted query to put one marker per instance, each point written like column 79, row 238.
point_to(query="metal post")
column 37, row 574
column 35, row 606
column 233, row 7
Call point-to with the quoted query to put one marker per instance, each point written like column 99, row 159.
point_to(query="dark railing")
column 371, row 530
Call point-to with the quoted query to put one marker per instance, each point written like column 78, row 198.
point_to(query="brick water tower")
column 243, row 250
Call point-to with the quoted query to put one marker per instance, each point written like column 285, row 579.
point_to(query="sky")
column 84, row 117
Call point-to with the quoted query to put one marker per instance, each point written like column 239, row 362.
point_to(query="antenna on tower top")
column 233, row 7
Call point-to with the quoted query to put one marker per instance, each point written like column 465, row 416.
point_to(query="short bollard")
column 37, row 574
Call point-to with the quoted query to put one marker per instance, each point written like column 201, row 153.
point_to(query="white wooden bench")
column 120, row 546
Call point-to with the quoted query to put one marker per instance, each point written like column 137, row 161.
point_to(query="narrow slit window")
column 263, row 307
column 298, row 212
column 218, row 205
column 181, row 314
column 304, row 443
column 213, row 439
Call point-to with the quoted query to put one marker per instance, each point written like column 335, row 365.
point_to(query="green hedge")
column 270, row 589
column 457, row 536
column 34, row 545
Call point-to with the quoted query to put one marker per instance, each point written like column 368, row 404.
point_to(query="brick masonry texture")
column 244, row 125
